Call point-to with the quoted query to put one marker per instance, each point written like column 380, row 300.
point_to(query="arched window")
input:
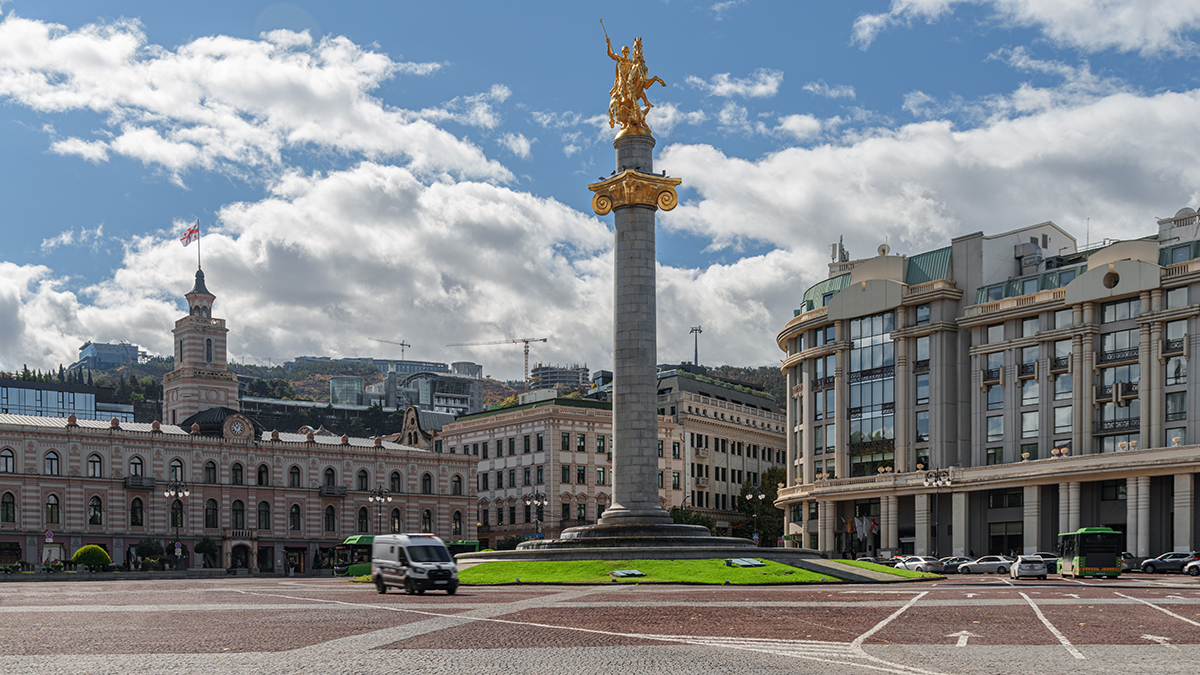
column 211, row 515
column 8, row 462
column 394, row 483
column 176, row 470
column 210, row 472
column 330, row 519
column 427, row 521
column 235, row 474
column 176, row 513
column 95, row 467
column 136, row 466
column 264, row 515
column 8, row 508
column 136, row 513
column 208, row 349
column 95, row 511
column 457, row 531
column 363, row 520
column 395, row 520
column 264, row 475
column 52, row 509
column 363, row 480
column 426, row 484
column 294, row 518
column 52, row 464
column 456, row 485
column 238, row 511
column 294, row 477
column 330, row 476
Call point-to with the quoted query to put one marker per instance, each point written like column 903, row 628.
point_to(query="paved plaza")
column 978, row 624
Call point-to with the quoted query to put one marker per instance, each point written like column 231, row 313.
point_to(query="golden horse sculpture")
column 630, row 82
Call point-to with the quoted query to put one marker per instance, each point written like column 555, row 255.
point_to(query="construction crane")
column 507, row 342
column 401, row 344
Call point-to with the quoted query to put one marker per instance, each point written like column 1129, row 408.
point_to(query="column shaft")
column 1033, row 517
column 959, row 535
column 1072, row 506
column 1143, row 517
column 1131, row 514
column 922, row 524
column 1064, row 498
column 1184, row 512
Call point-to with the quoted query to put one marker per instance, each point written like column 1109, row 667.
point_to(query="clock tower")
column 200, row 380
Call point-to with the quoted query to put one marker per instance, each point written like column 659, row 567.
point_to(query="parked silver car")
column 1028, row 566
column 988, row 564
column 1051, row 560
column 919, row 563
column 1193, row 568
column 1169, row 562
column 950, row 564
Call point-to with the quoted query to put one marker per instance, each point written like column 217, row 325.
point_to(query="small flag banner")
column 192, row 234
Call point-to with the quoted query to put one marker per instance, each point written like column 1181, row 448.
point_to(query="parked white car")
column 1028, row 566
column 921, row 564
column 988, row 564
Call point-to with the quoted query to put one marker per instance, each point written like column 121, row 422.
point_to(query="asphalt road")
column 975, row 624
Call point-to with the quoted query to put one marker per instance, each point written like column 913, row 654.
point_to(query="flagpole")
column 198, row 244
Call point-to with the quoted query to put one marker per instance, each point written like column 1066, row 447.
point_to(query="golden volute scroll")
column 630, row 188
column 630, row 81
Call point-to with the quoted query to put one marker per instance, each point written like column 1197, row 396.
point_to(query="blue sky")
column 418, row 171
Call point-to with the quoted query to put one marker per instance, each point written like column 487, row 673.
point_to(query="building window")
column 456, row 483
column 294, row 518
column 1176, row 370
column 1029, row 355
column 211, row 514
column 995, row 397
column 1029, row 451
column 539, row 445
column 8, row 508
column 363, row 480
column 580, row 443
column 566, row 442
column 395, row 521
column 660, row 448
column 499, row 515
column 294, row 477
column 330, row 477
column 1177, row 436
column 1120, row 310
column 566, row 475
column 995, row 428
column 675, row 450
column 364, row 522
column 512, row 446
column 995, row 333
column 1029, row 424
column 176, row 470
column 1064, row 318
column 922, row 388
column 485, row 449
column 1063, row 419
column 1118, row 442
column 264, row 515
column 52, row 465
column 581, row 511
column 136, row 513
column 427, row 521
column 237, row 512
column 500, row 480
column 426, row 484
column 871, row 378
column 600, row 477
column 208, row 349
column 1177, row 406
column 1112, row 490
column 1029, row 391
column 599, row 443
column 210, row 472
column 540, row 474
column 922, row 350
column 1063, row 385
column 483, row 481
column 1177, row 297
column 330, row 519
column 7, row 461
column 581, row 475
column 52, row 509
column 1029, row 326
column 525, row 446
column 235, row 474
column 95, row 511
column 135, row 466
column 923, row 426
column 1010, row 498
column 95, row 467
column 922, row 314
column 457, row 524
column 1119, row 341
column 176, row 513
column 675, row 480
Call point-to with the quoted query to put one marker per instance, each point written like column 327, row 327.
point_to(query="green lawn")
column 711, row 571
column 874, row 567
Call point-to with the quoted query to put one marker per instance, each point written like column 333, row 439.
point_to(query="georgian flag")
column 192, row 234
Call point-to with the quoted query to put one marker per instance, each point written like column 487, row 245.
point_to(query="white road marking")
column 1071, row 595
column 1054, row 631
column 1164, row 610
column 971, row 595
column 963, row 636
column 1159, row 639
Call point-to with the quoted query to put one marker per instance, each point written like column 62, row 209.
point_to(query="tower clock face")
column 237, row 428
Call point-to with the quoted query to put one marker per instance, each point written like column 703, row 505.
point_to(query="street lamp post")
column 179, row 490
column 539, row 501
column 379, row 496
column 760, row 496
column 937, row 478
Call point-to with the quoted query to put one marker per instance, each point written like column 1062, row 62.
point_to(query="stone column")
column 921, row 511
column 959, row 536
column 1033, row 517
column 900, row 388
column 1154, row 397
column 892, row 532
column 1072, row 506
column 1064, row 498
column 1143, row 517
column 1185, row 512
column 841, row 416
column 1131, row 514
column 1149, row 406
column 635, row 383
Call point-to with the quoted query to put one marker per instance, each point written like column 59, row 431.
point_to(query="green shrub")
column 508, row 543
column 91, row 557
column 148, row 547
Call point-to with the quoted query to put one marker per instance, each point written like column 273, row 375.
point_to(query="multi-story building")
column 545, row 376
column 559, row 449
column 52, row 399
column 101, row 355
column 986, row 396
column 265, row 498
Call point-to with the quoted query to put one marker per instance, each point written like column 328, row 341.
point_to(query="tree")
column 770, row 519
column 685, row 516
column 209, row 549
column 509, row 402
column 508, row 543
column 148, row 547
column 92, row 557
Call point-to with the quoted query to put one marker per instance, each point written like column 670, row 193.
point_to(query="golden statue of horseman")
column 630, row 81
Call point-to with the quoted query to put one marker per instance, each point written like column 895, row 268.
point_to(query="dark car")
column 1051, row 560
column 1131, row 562
column 950, row 564
column 1169, row 562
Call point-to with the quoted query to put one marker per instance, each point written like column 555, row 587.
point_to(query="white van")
column 414, row 562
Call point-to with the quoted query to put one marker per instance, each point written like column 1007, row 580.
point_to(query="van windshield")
column 428, row 554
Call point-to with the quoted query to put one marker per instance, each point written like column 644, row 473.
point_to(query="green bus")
column 353, row 557
column 1090, row 552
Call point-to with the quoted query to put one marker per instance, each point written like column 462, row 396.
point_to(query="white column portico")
column 1185, row 515
column 921, row 510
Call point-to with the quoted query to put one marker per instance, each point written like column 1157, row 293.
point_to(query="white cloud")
column 762, row 83
column 220, row 103
column 83, row 237
column 475, row 111
column 665, row 116
column 719, row 9
column 801, row 127
column 819, row 88
column 1149, row 27
column 517, row 144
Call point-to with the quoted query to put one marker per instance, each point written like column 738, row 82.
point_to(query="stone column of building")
column 1072, row 506
column 841, row 416
column 793, row 447
column 1131, row 513
column 892, row 536
column 1084, row 383
column 1032, row 500
column 1148, row 408
column 635, row 355
column 958, row 538
column 1185, row 511
column 900, row 395
column 1155, row 372
column 921, row 511
column 1064, row 498
column 1143, row 517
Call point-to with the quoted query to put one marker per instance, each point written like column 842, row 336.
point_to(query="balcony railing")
column 239, row 534
column 1059, row 362
column 868, row 447
column 1129, row 389
column 822, row 382
column 991, row 374
column 1112, row 426
column 921, row 366
column 872, row 374
column 332, row 491
column 1173, row 346
column 882, row 409
column 701, row 482
column 139, row 483
column 1027, row 370
column 1116, row 355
